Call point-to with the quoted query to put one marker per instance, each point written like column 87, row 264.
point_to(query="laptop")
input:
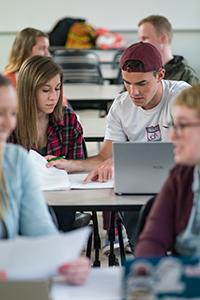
column 141, row 168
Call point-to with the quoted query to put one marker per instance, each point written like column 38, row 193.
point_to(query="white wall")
column 112, row 14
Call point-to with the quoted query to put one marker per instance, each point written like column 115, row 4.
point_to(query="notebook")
column 141, row 168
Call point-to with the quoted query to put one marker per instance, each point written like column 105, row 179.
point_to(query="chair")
column 115, row 65
column 80, row 67
column 143, row 214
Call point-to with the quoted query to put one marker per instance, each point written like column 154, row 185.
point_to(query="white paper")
column 103, row 284
column 57, row 179
column 76, row 182
column 49, row 178
column 26, row 258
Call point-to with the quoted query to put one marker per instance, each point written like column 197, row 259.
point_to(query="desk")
column 92, row 92
column 102, row 284
column 93, row 129
column 98, row 200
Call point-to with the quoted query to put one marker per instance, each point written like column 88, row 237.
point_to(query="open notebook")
column 56, row 179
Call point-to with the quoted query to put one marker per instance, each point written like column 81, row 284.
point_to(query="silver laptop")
column 141, row 168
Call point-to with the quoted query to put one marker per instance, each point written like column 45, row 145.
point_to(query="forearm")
column 85, row 165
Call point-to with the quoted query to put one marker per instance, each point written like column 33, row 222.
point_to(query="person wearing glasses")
column 173, row 224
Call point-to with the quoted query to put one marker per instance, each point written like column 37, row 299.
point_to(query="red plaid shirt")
column 64, row 137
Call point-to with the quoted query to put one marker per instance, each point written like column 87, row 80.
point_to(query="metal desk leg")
column 121, row 242
column 112, row 257
column 97, row 240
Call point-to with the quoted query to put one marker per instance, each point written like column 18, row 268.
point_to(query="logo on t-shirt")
column 153, row 133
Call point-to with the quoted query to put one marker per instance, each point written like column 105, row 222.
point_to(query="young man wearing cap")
column 135, row 115
column 157, row 30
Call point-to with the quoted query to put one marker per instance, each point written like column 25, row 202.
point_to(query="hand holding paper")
column 40, row 257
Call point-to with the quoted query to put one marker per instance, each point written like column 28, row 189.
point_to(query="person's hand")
column 55, row 161
column 76, row 272
column 3, row 275
column 103, row 172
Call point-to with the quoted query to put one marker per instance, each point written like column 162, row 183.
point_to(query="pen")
column 55, row 158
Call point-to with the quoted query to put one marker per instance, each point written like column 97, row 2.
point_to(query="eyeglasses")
column 181, row 126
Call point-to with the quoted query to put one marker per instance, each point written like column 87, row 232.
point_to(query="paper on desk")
column 56, row 179
column 76, row 182
column 102, row 284
column 27, row 258
column 49, row 178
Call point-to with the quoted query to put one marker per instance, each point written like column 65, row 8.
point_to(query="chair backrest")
column 79, row 66
column 115, row 65
column 143, row 214
column 116, row 59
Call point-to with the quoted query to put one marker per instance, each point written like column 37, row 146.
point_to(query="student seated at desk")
column 43, row 123
column 158, row 31
column 174, row 220
column 22, row 206
column 28, row 42
column 136, row 115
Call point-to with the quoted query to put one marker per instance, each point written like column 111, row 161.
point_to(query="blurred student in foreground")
column 22, row 206
column 173, row 224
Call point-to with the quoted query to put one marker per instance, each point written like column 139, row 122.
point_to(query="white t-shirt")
column 126, row 121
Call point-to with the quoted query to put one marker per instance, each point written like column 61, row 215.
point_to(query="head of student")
column 28, row 42
column 155, row 29
column 8, row 110
column 39, row 91
column 185, row 129
column 142, row 72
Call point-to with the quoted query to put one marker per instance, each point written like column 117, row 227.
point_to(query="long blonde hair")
column 4, row 196
column 35, row 72
column 22, row 47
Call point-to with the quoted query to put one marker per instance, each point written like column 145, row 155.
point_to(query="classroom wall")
column 121, row 16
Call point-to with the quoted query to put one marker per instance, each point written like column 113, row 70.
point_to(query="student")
column 173, row 224
column 22, row 206
column 136, row 115
column 28, row 42
column 43, row 123
column 158, row 31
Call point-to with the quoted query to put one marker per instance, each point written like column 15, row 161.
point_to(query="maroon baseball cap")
column 144, row 52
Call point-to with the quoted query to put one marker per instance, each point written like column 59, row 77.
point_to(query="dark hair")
column 134, row 66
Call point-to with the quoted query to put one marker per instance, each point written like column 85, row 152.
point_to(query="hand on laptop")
column 103, row 172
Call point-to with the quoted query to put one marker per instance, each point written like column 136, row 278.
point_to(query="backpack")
column 81, row 35
column 57, row 36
